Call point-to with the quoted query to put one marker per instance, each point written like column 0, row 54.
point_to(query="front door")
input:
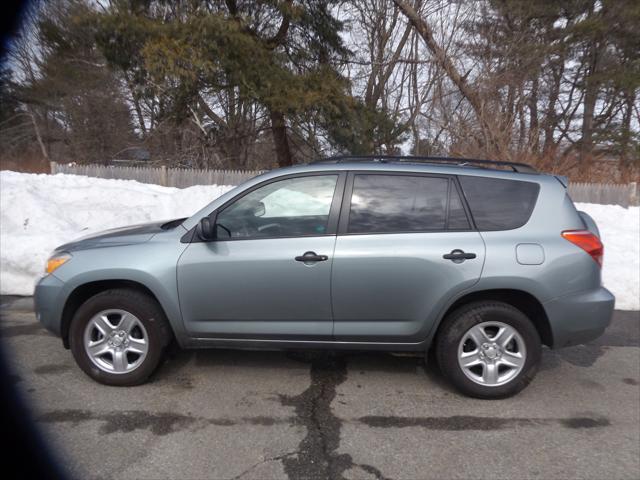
column 405, row 247
column 268, row 273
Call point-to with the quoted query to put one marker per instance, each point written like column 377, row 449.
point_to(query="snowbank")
column 40, row 212
column 620, row 233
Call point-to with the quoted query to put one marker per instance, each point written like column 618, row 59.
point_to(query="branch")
column 377, row 90
column 445, row 62
column 281, row 34
column 232, row 6
column 210, row 113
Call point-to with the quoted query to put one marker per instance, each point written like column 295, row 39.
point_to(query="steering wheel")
column 241, row 226
column 246, row 228
column 269, row 225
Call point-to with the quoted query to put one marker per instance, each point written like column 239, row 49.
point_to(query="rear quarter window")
column 499, row 204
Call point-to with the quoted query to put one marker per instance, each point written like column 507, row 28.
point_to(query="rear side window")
column 499, row 204
column 401, row 203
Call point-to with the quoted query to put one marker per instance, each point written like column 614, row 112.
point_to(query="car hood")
column 115, row 236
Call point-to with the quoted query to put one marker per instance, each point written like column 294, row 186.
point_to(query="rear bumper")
column 579, row 317
column 48, row 301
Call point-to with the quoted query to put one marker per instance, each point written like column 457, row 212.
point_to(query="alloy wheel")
column 116, row 341
column 492, row 353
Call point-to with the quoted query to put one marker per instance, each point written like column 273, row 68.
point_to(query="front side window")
column 398, row 203
column 286, row 208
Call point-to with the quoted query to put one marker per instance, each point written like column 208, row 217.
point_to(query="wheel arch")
column 523, row 301
column 83, row 292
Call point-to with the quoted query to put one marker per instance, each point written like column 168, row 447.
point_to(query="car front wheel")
column 488, row 349
column 118, row 336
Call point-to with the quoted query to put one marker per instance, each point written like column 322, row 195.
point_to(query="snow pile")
column 620, row 233
column 40, row 212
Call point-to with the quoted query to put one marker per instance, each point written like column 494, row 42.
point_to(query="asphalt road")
column 240, row 414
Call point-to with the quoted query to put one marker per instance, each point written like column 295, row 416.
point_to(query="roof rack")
column 516, row 167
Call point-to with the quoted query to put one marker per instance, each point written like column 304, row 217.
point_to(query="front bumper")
column 48, row 300
column 579, row 317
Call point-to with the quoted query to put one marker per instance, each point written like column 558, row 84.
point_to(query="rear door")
column 405, row 246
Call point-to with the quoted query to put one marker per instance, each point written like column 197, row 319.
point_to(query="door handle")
column 458, row 256
column 311, row 257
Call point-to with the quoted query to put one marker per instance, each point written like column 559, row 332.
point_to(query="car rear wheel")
column 488, row 349
column 118, row 336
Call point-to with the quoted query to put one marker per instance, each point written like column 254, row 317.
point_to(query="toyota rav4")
column 482, row 261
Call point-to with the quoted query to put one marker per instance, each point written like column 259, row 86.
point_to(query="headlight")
column 57, row 261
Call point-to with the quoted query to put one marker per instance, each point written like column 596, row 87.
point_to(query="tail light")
column 587, row 241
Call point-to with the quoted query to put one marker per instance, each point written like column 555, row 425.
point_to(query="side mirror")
column 206, row 229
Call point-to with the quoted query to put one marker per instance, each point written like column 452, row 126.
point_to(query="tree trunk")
column 43, row 149
column 630, row 98
column 135, row 98
column 590, row 97
column 550, row 121
column 534, row 126
column 280, row 139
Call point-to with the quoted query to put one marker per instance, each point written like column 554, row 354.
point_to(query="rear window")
column 403, row 203
column 499, row 204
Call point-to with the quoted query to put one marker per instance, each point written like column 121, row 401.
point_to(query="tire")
column 128, row 332
column 493, row 370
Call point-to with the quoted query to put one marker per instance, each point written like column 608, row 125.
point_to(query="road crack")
column 317, row 457
column 262, row 462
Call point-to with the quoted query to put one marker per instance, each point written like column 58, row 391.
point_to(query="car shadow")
column 355, row 362
column 175, row 367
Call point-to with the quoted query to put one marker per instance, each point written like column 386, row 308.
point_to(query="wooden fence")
column 603, row 193
column 168, row 177
column 606, row 193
